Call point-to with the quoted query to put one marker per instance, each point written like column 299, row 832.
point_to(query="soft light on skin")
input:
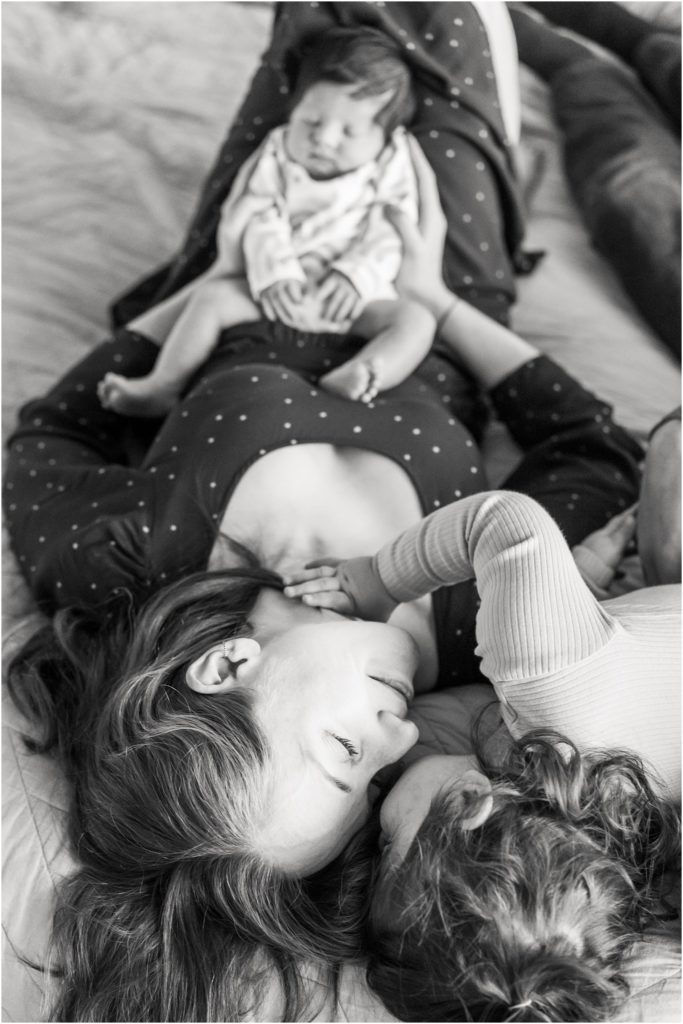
column 326, row 697
column 330, row 132
column 408, row 802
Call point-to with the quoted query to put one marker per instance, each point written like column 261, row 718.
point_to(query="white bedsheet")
column 112, row 114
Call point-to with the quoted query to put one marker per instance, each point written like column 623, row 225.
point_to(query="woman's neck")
column 313, row 501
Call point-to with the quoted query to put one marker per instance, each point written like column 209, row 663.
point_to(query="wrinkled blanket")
column 112, row 116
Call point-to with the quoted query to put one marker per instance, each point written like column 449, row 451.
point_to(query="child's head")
column 350, row 90
column 514, row 893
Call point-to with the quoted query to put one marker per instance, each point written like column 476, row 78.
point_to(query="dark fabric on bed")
column 458, row 124
column 86, row 517
column 623, row 162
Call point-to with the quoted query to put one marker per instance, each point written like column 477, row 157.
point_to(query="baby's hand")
column 280, row 300
column 339, row 300
column 351, row 587
column 314, row 267
column 318, row 585
column 609, row 543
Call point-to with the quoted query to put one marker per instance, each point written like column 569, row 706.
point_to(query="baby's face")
column 330, row 132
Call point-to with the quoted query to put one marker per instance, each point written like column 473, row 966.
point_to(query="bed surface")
column 112, row 114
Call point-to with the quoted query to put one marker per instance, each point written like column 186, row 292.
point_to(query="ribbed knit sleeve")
column 537, row 616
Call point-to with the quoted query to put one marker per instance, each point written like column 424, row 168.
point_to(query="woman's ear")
column 473, row 790
column 219, row 668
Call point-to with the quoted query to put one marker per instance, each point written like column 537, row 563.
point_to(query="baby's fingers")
column 336, row 601
column 312, row 585
column 311, row 571
column 624, row 521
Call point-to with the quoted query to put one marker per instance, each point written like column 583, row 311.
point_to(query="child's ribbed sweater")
column 605, row 675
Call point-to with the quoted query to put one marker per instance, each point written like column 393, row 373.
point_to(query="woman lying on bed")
column 266, row 704
column 212, row 734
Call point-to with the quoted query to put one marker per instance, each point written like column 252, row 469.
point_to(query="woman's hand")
column 420, row 277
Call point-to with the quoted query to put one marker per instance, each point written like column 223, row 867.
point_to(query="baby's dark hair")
column 529, row 917
column 354, row 56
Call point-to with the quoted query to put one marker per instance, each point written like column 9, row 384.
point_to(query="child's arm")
column 254, row 220
column 267, row 241
column 373, row 261
column 536, row 615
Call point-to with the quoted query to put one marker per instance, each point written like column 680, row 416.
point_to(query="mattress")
column 112, row 114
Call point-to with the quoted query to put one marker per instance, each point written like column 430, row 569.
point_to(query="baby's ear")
column 218, row 669
column 473, row 797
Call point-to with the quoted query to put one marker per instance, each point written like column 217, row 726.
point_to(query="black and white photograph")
column 341, row 366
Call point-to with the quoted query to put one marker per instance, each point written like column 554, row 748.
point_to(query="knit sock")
column 541, row 47
column 608, row 24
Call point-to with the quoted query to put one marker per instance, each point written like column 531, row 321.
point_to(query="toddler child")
column 304, row 238
column 513, row 885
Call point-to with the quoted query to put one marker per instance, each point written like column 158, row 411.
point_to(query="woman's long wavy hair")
column 172, row 914
column 531, row 916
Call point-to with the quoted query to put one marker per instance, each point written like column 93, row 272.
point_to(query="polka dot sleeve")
column 72, row 497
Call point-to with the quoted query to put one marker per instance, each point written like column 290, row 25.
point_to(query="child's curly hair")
column 530, row 916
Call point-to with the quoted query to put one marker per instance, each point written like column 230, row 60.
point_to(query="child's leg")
column 400, row 333
column 213, row 306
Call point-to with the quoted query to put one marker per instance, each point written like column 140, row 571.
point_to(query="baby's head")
column 514, row 893
column 351, row 89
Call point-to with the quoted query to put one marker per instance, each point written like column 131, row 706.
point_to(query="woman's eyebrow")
column 331, row 778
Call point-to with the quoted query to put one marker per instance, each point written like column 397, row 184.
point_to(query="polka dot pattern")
column 124, row 524
column 459, row 125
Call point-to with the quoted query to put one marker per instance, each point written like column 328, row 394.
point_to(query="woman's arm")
column 577, row 462
column 489, row 351
column 71, row 489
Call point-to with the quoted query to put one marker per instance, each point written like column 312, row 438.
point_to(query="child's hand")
column 318, row 585
column 280, row 300
column 351, row 587
column 339, row 300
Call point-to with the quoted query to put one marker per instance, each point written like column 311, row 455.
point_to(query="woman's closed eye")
column 348, row 746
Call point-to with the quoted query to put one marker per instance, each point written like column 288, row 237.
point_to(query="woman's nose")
column 396, row 736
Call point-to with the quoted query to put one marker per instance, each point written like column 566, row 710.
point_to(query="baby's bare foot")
column 138, row 396
column 354, row 380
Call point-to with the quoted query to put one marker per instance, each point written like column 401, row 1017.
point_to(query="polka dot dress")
column 458, row 123
column 86, row 516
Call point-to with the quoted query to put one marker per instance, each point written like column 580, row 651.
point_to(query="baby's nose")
column 329, row 134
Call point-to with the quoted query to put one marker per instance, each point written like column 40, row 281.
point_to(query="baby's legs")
column 400, row 334
column 213, row 305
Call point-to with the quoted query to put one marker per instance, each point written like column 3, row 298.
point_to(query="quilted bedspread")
column 112, row 114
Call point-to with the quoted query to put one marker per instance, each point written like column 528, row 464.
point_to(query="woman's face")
column 331, row 700
column 407, row 803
